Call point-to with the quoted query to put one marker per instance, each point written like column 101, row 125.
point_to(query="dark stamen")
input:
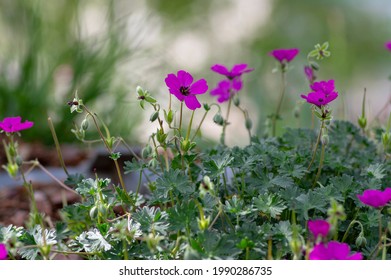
column 184, row 90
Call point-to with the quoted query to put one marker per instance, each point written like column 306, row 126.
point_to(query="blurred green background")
column 104, row 49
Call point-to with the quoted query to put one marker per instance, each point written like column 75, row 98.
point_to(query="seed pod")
column 154, row 116
column 325, row 139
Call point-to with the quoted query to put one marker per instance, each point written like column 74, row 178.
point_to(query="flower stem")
column 275, row 117
column 190, row 124
column 199, row 126
column 56, row 143
column 269, row 249
column 349, row 227
column 122, row 183
column 222, row 139
column 316, row 147
column 180, row 119
column 320, row 165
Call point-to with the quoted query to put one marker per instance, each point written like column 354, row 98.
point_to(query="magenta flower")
column 225, row 89
column 184, row 89
column 319, row 228
column 388, row 45
column 14, row 124
column 3, row 252
column 375, row 198
column 236, row 71
column 309, row 73
column 333, row 251
column 323, row 93
column 284, row 55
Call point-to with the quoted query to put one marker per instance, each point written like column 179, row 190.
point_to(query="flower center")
column 184, row 90
column 320, row 99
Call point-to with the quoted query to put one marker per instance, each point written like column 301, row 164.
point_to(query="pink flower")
column 225, row 89
column 3, row 252
column 309, row 73
column 375, row 198
column 184, row 89
column 319, row 228
column 323, row 93
column 284, row 55
column 14, row 124
column 388, row 45
column 236, row 71
column 333, row 251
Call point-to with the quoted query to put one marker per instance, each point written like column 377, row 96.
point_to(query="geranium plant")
column 266, row 200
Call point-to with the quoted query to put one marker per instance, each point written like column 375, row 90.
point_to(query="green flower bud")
column 185, row 145
column 12, row 169
column 249, row 123
column 161, row 136
column 325, row 139
column 236, row 101
column 84, row 124
column 296, row 246
column 206, row 107
column 169, row 117
column 314, row 65
column 218, row 119
column 19, row 160
column 386, row 138
column 94, row 212
column 362, row 122
column 154, row 116
column 146, row 152
column 361, row 241
column 203, row 223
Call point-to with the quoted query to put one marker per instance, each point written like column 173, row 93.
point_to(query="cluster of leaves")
column 229, row 203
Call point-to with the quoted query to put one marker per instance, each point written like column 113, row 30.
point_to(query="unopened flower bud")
column 361, row 241
column 94, row 212
column 169, row 117
column 206, row 107
column 325, row 139
column 154, row 116
column 19, row 160
column 203, row 223
column 185, row 145
column 296, row 246
column 12, row 169
column 362, row 122
column 314, row 65
column 249, row 123
column 218, row 119
column 386, row 138
column 236, row 101
column 84, row 124
column 146, row 152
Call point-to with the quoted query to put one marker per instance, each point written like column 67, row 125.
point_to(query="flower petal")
column 177, row 94
column 221, row 69
column 192, row 102
column 185, row 79
column 199, row 87
column 172, row 81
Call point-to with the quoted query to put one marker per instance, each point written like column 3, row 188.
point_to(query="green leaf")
column 134, row 165
column 151, row 219
column 183, row 215
column 270, row 204
column 93, row 241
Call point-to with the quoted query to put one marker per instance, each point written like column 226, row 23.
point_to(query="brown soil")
column 15, row 205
